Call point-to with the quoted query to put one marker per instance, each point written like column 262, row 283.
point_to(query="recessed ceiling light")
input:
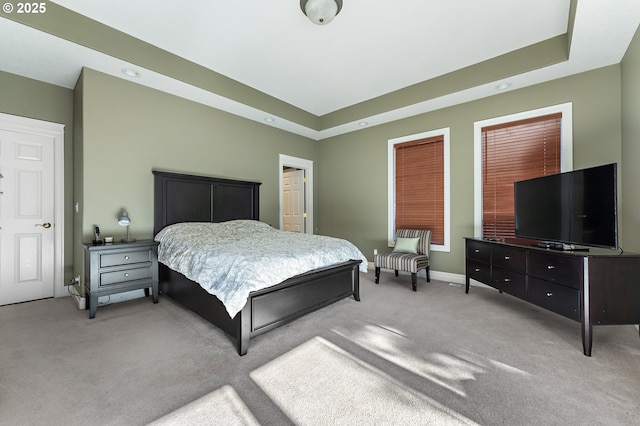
column 363, row 123
column 269, row 119
column 130, row 72
column 503, row 86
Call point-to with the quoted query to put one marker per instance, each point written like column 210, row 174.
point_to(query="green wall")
column 352, row 168
column 630, row 66
column 129, row 130
column 33, row 99
column 118, row 131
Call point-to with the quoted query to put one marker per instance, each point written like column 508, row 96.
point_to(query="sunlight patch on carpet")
column 445, row 370
column 220, row 407
column 319, row 383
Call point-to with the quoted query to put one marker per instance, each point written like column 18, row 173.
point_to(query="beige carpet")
column 316, row 375
column 436, row 356
column 223, row 406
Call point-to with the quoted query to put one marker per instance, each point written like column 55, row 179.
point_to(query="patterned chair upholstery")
column 407, row 260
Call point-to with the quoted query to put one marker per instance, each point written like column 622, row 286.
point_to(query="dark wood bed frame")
column 189, row 198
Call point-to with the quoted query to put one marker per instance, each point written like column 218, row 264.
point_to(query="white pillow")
column 407, row 245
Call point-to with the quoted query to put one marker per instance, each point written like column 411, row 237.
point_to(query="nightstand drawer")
column 116, row 277
column 124, row 258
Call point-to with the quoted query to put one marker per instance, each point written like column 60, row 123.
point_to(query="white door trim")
column 307, row 166
column 56, row 132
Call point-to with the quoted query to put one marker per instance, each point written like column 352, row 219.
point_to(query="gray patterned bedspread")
column 232, row 259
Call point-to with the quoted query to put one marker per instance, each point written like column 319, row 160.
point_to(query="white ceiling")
column 371, row 48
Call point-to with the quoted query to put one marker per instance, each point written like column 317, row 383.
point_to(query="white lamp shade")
column 321, row 12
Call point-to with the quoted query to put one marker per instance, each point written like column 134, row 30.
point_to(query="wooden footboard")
column 268, row 308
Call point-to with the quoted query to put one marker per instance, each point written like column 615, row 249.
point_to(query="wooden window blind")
column 419, row 186
column 511, row 152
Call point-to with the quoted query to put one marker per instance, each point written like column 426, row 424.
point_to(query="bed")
column 183, row 198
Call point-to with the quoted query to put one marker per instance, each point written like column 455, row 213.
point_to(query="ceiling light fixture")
column 130, row 72
column 503, row 86
column 321, row 12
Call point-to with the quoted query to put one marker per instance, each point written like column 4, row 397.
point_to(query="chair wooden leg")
column 428, row 277
column 377, row 280
column 396, row 272
column 414, row 281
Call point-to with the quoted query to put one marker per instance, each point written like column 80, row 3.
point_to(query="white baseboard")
column 447, row 276
column 440, row 276
column 81, row 301
column 436, row 275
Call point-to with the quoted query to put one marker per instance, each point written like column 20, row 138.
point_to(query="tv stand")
column 600, row 287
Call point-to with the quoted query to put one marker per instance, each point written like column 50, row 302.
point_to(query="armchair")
column 410, row 254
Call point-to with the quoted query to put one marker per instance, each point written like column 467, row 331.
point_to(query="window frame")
column 566, row 149
column 391, row 177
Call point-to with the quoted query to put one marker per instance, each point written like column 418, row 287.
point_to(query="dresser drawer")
column 125, row 275
column 479, row 271
column 555, row 297
column 479, row 251
column 124, row 258
column 511, row 282
column 566, row 270
column 509, row 258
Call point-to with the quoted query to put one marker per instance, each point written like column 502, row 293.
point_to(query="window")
column 419, row 185
column 511, row 152
column 518, row 147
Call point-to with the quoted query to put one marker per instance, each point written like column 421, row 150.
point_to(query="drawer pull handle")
column 549, row 294
column 507, row 280
column 476, row 251
column 126, row 258
column 126, row 275
column 507, row 258
column 477, row 269
column 551, row 267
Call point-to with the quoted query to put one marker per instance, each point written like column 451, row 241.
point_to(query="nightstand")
column 119, row 267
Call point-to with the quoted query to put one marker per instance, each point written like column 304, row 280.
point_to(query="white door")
column 27, row 196
column 293, row 200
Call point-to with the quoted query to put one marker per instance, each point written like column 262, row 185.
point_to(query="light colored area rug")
column 318, row 383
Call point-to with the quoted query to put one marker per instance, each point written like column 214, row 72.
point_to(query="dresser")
column 595, row 287
column 120, row 267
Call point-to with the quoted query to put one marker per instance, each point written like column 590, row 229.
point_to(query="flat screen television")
column 576, row 208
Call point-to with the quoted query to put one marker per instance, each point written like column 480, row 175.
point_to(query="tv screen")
column 578, row 207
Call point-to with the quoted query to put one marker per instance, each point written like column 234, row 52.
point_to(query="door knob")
column 45, row 225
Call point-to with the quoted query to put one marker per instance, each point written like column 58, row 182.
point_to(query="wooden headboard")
column 190, row 198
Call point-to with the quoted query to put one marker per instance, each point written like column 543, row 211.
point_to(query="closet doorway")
column 296, row 194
